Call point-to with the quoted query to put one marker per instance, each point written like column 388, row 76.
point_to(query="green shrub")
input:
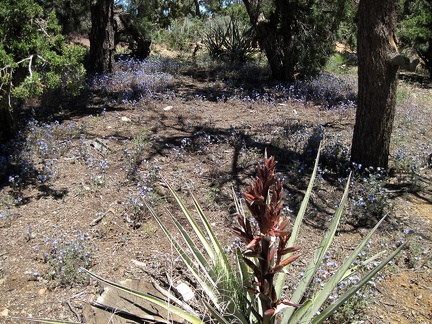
column 182, row 34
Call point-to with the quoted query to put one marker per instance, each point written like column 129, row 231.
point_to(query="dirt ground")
column 196, row 144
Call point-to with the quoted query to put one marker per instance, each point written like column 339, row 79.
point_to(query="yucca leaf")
column 201, row 276
column 343, row 270
column 245, row 278
column 155, row 300
column 300, row 215
column 173, row 298
column 219, row 259
column 238, row 205
column 194, row 225
column 207, row 276
column 299, row 311
column 298, row 221
column 217, row 315
column 362, row 264
column 353, row 289
column 219, row 252
column 43, row 320
column 199, row 257
column 318, row 256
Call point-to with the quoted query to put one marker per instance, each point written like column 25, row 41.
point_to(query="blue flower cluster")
column 66, row 254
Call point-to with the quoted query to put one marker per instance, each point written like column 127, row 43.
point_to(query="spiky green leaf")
column 298, row 221
column 317, row 258
column 343, row 270
column 155, row 300
column 353, row 289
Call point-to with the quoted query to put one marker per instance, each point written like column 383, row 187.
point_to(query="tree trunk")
column 297, row 35
column 7, row 123
column 142, row 47
column 377, row 82
column 102, row 36
column 197, row 8
column 269, row 39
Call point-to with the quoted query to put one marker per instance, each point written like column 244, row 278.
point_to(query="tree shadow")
column 418, row 80
column 322, row 203
column 320, row 208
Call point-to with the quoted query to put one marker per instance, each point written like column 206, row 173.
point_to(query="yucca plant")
column 266, row 245
column 249, row 289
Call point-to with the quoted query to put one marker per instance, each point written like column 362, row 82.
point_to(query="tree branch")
column 404, row 62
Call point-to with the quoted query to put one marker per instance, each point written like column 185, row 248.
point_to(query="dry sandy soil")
column 208, row 147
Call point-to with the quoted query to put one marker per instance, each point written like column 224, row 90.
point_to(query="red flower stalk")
column 264, row 201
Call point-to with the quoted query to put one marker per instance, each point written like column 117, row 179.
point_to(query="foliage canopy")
column 415, row 30
column 34, row 56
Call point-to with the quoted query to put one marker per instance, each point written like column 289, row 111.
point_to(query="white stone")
column 185, row 291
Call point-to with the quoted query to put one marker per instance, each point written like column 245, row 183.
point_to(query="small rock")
column 139, row 264
column 4, row 313
column 125, row 119
column 185, row 291
column 167, row 108
column 42, row 291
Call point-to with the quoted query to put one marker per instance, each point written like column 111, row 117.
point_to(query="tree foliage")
column 296, row 35
column 159, row 13
column 34, row 57
column 73, row 15
column 415, row 30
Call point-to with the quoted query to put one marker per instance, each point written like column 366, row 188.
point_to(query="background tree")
column 101, row 36
column 33, row 58
column 377, row 82
column 415, row 30
column 296, row 35
column 152, row 14
column 73, row 15
column 347, row 32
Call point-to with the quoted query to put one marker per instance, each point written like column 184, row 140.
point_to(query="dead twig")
column 73, row 310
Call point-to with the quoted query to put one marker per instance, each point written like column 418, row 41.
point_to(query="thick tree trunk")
column 102, row 36
column 377, row 82
column 7, row 123
column 270, row 38
column 142, row 49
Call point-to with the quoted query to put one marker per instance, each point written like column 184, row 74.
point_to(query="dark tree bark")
column 141, row 48
column 296, row 36
column 426, row 56
column 7, row 123
column 197, row 8
column 270, row 38
column 102, row 36
column 377, row 82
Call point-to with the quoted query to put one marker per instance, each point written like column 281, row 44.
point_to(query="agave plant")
column 249, row 288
